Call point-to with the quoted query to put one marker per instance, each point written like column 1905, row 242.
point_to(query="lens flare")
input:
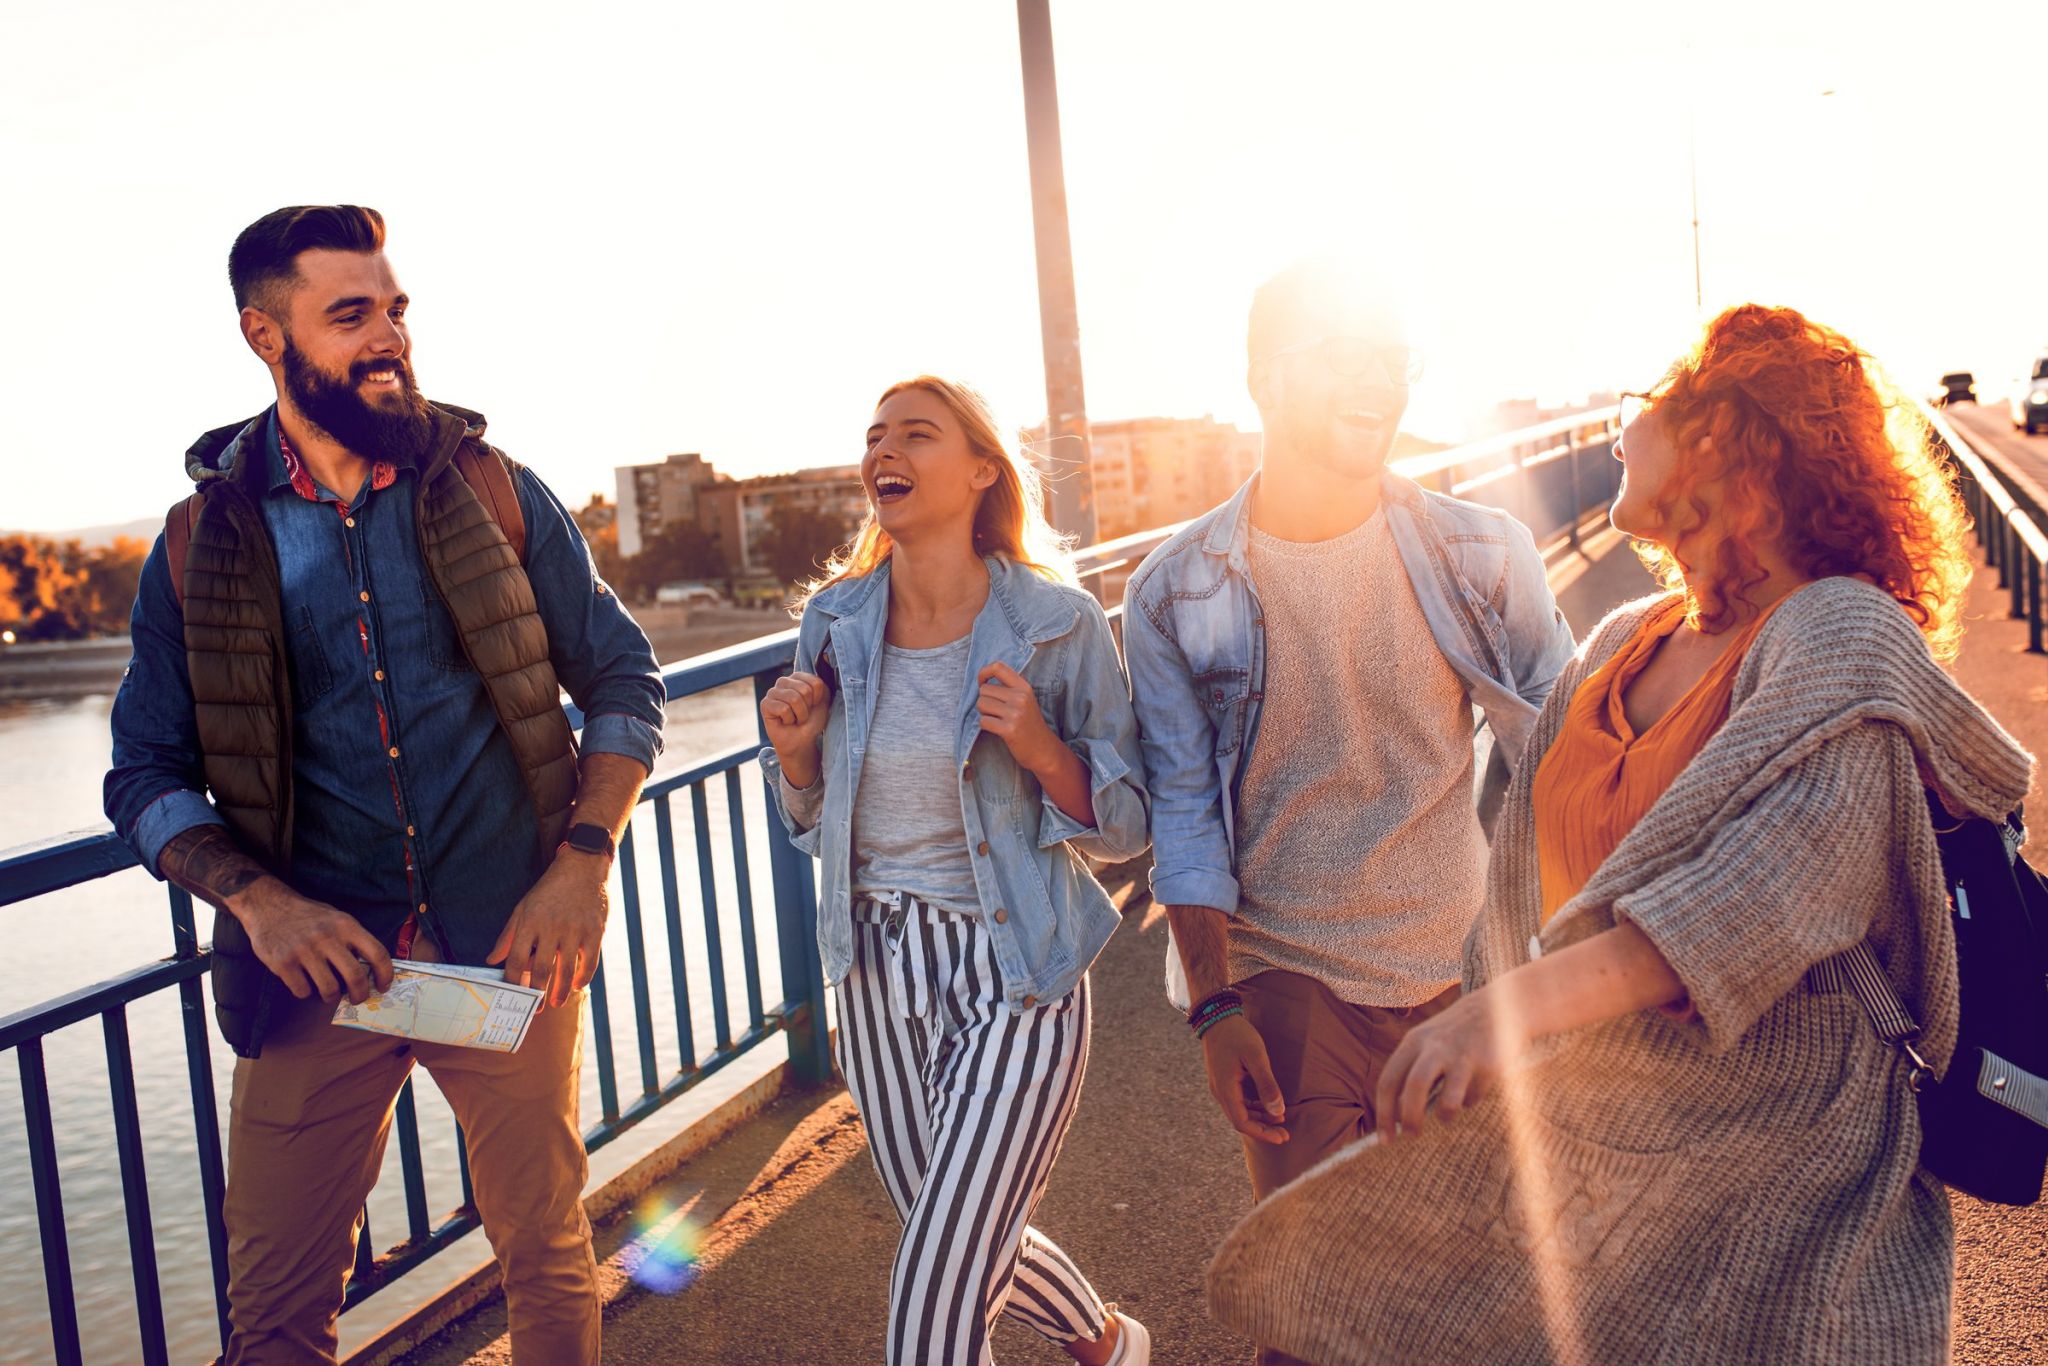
column 662, row 1257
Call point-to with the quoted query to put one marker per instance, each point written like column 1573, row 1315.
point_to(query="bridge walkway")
column 794, row 1232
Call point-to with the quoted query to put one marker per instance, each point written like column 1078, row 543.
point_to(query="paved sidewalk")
column 793, row 1264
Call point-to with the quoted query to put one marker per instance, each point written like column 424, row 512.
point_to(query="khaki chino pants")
column 1327, row 1055
column 309, row 1120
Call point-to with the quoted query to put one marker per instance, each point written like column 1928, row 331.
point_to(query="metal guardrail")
column 2008, row 530
column 1537, row 474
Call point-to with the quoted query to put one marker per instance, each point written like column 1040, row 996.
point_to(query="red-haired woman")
column 1681, row 1138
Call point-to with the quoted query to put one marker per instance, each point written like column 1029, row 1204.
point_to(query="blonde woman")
column 1681, row 1138
column 956, row 734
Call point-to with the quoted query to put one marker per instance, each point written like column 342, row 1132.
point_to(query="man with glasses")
column 1306, row 660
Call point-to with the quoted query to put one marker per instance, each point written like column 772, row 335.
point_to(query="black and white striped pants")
column 965, row 1105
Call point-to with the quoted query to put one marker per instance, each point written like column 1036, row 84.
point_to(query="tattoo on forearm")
column 206, row 862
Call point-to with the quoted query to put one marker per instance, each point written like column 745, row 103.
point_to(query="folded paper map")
column 443, row 1003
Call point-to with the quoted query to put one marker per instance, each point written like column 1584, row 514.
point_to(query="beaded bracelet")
column 1212, row 1008
column 1217, row 1018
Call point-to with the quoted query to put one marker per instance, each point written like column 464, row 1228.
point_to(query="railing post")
column 1578, row 501
column 2033, row 605
column 2018, row 551
column 42, row 1164
column 796, row 936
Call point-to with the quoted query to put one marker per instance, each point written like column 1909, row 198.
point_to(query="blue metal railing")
column 799, row 1013
column 1550, row 476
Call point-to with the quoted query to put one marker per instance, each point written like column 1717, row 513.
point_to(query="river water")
column 52, row 757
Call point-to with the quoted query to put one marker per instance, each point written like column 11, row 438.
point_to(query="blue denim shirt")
column 1043, row 908
column 1195, row 640
column 456, row 780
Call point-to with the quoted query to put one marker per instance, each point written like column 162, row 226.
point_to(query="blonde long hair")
column 1009, row 520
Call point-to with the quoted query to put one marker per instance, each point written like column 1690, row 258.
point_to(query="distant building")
column 596, row 516
column 655, row 497
column 747, row 510
column 1155, row 471
column 736, row 514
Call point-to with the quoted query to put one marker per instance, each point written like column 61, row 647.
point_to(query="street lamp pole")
column 1692, row 158
column 1071, row 483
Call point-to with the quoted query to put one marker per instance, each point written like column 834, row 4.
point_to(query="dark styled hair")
column 266, row 254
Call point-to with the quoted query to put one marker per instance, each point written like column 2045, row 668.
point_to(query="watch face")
column 590, row 839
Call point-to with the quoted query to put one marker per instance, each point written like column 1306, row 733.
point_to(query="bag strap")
column 483, row 469
column 1858, row 969
column 178, row 525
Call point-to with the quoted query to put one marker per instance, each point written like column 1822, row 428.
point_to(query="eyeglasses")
column 1633, row 406
column 1352, row 357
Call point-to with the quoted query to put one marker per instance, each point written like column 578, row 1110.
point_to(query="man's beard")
column 402, row 432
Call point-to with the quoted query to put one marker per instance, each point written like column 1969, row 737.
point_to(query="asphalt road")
column 2017, row 454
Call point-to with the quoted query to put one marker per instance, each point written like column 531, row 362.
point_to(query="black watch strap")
column 588, row 838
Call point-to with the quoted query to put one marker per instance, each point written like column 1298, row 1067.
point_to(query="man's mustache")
column 363, row 369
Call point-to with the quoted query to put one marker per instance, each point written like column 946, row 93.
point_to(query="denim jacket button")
column 982, row 849
column 1029, row 1002
column 1002, row 916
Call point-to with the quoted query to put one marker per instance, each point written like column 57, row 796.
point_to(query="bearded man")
column 352, row 640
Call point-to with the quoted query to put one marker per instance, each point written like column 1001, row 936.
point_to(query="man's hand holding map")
column 443, row 1003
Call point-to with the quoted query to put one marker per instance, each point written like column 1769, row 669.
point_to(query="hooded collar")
column 242, row 450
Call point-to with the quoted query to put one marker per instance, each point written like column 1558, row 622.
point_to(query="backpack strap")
column 485, row 470
column 178, row 525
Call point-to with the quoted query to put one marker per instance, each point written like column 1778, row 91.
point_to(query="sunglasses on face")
column 1355, row 357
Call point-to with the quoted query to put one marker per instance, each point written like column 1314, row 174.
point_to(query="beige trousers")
column 1327, row 1055
column 308, row 1124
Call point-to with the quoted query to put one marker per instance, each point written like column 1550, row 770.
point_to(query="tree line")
column 67, row 590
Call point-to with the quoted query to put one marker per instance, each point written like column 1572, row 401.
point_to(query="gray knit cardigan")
column 1742, row 1186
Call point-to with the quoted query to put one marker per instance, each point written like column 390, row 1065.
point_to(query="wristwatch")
column 586, row 838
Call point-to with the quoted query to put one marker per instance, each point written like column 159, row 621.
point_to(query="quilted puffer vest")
column 241, row 684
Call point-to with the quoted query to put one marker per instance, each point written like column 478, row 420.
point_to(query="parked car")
column 2030, row 398
column 688, row 595
column 1958, row 386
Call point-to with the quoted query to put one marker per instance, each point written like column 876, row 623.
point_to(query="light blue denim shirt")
column 1045, row 911
column 1195, row 641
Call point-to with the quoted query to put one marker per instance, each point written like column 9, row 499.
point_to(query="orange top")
column 1599, row 777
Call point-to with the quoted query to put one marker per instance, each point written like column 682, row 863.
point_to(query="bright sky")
column 636, row 229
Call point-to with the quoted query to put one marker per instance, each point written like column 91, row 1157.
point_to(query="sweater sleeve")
column 1796, row 877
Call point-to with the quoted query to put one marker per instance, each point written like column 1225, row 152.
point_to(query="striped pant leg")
column 1048, row 1291
column 1004, row 1092
column 882, row 1056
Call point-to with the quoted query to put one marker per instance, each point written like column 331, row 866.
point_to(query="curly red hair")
column 1815, row 452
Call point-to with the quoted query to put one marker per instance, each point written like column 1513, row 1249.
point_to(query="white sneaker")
column 1133, row 1343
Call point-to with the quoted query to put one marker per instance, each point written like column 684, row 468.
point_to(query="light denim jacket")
column 1045, row 911
column 1195, row 641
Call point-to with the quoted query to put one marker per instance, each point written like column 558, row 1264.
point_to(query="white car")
column 2030, row 398
column 688, row 595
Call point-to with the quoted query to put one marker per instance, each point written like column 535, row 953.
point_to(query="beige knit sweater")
column 1742, row 1187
